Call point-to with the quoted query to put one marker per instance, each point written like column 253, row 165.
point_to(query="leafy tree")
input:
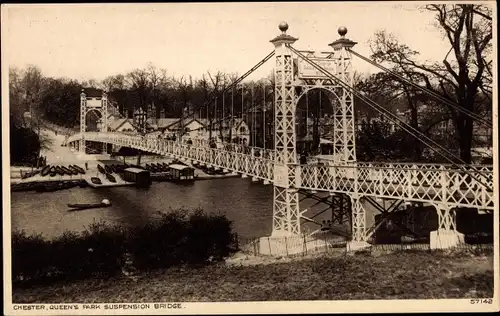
column 376, row 141
column 24, row 144
column 60, row 102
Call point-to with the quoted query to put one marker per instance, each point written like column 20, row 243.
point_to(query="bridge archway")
column 93, row 103
column 294, row 77
column 314, row 120
column 93, row 119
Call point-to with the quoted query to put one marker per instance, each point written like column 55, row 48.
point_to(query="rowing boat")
column 45, row 171
column 85, row 206
column 59, row 171
column 108, row 169
column 79, row 169
column 101, row 169
column 110, row 177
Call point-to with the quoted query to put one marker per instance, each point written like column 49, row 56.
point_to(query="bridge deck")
column 430, row 183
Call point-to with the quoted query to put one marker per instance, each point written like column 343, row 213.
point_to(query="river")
column 247, row 204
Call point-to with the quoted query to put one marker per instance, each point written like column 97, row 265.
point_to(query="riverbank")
column 64, row 156
column 402, row 275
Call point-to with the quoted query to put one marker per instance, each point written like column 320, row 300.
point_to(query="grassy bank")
column 404, row 275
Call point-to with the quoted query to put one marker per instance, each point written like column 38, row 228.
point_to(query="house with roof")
column 192, row 129
column 113, row 112
column 199, row 128
column 122, row 125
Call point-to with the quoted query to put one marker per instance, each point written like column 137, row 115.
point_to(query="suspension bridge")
column 447, row 187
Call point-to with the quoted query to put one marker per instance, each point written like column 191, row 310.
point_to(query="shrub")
column 209, row 237
column 182, row 238
column 30, row 256
column 105, row 245
column 101, row 250
column 161, row 243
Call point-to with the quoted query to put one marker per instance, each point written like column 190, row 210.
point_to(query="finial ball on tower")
column 342, row 31
column 283, row 26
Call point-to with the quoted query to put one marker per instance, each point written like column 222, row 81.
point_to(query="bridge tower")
column 293, row 79
column 286, row 212
column 97, row 104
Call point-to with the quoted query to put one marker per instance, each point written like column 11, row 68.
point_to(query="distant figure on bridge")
column 303, row 158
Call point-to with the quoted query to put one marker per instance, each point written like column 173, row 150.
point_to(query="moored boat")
column 101, row 169
column 67, row 171
column 95, row 180
column 107, row 169
column 79, row 169
column 110, row 177
column 52, row 171
column 160, row 167
column 45, row 171
column 59, row 171
column 155, row 168
column 73, row 170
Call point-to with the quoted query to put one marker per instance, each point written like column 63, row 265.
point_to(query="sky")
column 96, row 40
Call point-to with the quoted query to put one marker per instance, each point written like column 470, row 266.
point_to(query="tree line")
column 463, row 77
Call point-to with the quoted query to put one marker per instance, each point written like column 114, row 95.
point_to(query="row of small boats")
column 53, row 170
column 30, row 174
column 48, row 186
column 157, row 167
column 210, row 170
column 107, row 171
column 114, row 168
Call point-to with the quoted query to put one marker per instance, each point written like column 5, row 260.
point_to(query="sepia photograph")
column 290, row 157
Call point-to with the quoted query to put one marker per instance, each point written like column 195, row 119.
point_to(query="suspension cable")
column 412, row 131
column 253, row 115
column 212, row 94
column 223, row 113
column 264, row 107
column 232, row 115
column 428, row 91
column 241, row 113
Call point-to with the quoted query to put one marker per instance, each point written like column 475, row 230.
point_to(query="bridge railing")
column 415, row 182
column 412, row 165
column 255, row 163
column 450, row 186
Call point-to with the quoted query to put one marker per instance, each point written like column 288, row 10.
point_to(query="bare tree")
column 468, row 29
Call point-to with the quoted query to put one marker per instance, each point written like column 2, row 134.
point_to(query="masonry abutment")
column 359, row 236
column 446, row 235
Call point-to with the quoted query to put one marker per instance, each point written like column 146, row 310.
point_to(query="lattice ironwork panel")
column 416, row 182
